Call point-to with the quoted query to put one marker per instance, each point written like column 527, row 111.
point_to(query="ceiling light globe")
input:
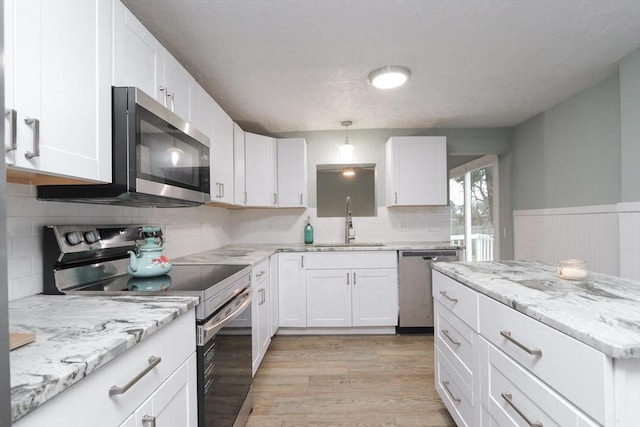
column 389, row 77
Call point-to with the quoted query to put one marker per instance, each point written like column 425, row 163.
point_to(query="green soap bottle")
column 308, row 232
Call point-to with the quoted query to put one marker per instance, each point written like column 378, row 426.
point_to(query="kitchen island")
column 77, row 335
column 514, row 342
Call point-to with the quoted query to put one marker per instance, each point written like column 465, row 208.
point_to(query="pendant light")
column 346, row 149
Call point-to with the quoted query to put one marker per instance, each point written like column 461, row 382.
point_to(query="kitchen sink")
column 346, row 245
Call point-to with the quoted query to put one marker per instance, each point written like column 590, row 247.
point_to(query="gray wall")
column 570, row 154
column 630, row 127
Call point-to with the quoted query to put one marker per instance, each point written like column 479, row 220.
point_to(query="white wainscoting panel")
column 591, row 233
column 629, row 240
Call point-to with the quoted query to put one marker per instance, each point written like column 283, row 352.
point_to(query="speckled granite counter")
column 77, row 335
column 602, row 312
column 251, row 254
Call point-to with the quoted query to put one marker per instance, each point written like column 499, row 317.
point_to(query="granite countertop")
column 75, row 336
column 602, row 311
column 251, row 254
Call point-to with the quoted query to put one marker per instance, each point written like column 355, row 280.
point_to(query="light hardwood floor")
column 348, row 381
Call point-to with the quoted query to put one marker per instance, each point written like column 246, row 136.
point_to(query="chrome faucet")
column 349, row 231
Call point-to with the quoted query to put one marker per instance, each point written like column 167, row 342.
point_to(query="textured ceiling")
column 278, row 66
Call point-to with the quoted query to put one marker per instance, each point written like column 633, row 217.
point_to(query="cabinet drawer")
column 458, row 342
column 577, row 371
column 349, row 259
column 514, row 394
column 457, row 298
column 455, row 393
column 78, row 405
column 260, row 271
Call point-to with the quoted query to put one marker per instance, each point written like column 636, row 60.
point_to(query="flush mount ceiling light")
column 389, row 76
column 346, row 149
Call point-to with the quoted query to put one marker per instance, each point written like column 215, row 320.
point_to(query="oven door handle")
column 212, row 329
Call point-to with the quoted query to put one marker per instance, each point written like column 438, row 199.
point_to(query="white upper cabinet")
column 292, row 172
column 222, row 160
column 260, row 170
column 58, row 87
column 239, row 193
column 416, row 171
column 141, row 61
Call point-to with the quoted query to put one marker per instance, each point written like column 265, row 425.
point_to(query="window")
column 473, row 193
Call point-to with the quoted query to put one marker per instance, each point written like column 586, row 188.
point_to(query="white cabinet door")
column 417, row 171
column 259, row 170
column 292, row 172
column 222, row 157
column 239, row 179
column 292, row 293
column 178, row 85
column 129, row 422
column 174, row 403
column 329, row 298
column 375, row 297
column 261, row 335
column 137, row 55
column 274, row 306
column 58, row 80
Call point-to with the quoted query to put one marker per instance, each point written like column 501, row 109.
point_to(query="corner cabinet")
column 163, row 393
column 416, row 172
column 58, row 62
column 292, row 172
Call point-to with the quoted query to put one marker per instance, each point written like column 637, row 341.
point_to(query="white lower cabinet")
column 292, row 296
column 260, row 313
column 166, row 406
column 348, row 289
column 166, row 390
column 358, row 297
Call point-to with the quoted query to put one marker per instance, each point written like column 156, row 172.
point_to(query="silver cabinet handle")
column 302, row 261
column 396, row 202
column 222, row 186
column 354, row 278
column 148, row 421
column 445, row 384
column 444, row 294
column 301, row 199
column 533, row 351
column 245, row 197
column 275, row 198
column 347, row 279
column 153, row 362
column 507, row 396
column 35, row 124
column 259, row 275
column 263, row 297
column 171, row 96
column 164, row 95
column 445, row 332
column 12, row 116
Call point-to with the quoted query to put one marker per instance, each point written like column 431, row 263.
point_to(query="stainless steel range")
column 92, row 260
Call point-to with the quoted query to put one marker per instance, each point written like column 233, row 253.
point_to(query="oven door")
column 224, row 365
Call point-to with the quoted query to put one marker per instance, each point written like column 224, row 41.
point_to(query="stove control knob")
column 91, row 236
column 74, row 238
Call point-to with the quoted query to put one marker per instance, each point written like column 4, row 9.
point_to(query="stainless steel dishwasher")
column 414, row 276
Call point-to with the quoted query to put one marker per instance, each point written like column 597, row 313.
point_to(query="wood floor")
column 348, row 381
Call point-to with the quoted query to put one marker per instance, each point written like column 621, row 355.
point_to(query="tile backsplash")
column 186, row 230
column 192, row 230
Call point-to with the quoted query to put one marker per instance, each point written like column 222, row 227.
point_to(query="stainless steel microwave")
column 159, row 160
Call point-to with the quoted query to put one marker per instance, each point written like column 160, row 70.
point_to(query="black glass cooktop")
column 182, row 279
